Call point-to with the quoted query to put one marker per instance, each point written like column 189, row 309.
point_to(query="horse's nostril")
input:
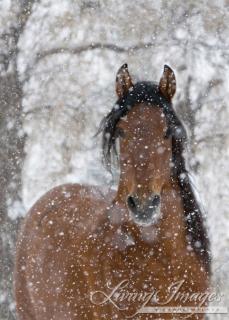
column 155, row 201
column 132, row 203
column 135, row 205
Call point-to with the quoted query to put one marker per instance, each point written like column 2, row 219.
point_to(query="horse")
column 84, row 252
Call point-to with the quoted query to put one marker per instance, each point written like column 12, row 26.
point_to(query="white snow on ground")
column 66, row 94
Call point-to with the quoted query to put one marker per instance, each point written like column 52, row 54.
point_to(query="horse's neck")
column 172, row 225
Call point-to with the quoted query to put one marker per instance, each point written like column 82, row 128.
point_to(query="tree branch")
column 84, row 48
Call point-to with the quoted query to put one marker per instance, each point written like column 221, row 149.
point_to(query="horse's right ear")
column 123, row 81
column 167, row 85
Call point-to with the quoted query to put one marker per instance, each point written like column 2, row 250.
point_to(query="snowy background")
column 58, row 61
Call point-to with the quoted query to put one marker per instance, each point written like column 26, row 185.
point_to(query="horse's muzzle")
column 145, row 212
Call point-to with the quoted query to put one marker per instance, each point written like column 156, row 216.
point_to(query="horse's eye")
column 168, row 133
column 119, row 133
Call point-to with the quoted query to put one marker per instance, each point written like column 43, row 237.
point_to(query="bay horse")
column 83, row 253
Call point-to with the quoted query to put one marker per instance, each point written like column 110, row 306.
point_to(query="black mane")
column 148, row 92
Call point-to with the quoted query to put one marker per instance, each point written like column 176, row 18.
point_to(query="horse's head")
column 145, row 123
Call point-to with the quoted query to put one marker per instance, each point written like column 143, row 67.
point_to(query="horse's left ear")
column 167, row 85
column 123, row 81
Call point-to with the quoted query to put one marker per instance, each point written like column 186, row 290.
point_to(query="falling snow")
column 68, row 86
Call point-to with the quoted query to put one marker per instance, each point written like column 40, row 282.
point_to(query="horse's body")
column 77, row 241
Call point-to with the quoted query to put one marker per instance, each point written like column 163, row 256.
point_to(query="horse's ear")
column 167, row 85
column 123, row 81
